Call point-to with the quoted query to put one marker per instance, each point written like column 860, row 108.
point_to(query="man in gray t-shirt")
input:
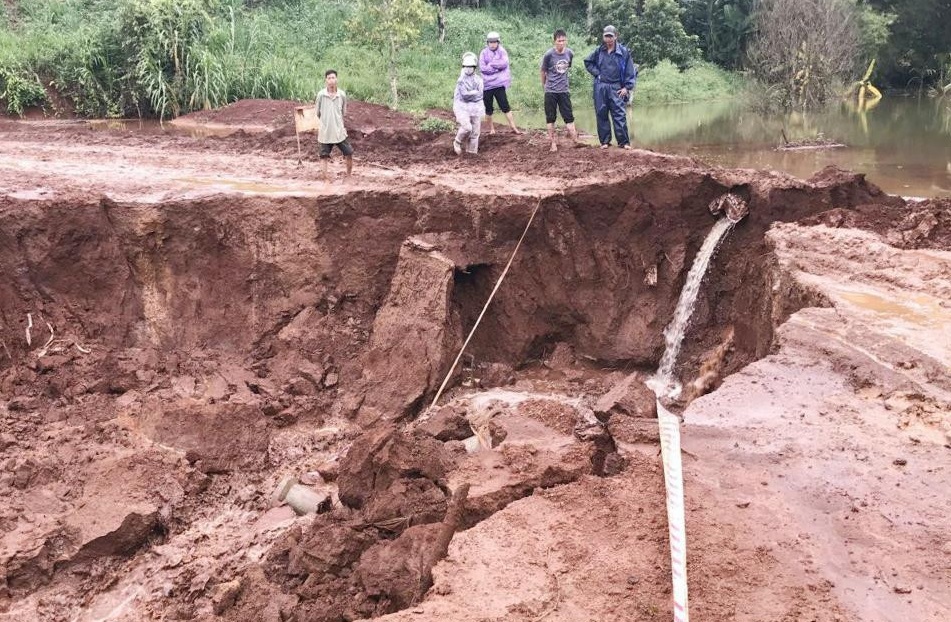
column 554, row 72
column 331, row 106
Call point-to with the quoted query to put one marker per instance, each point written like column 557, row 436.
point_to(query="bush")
column 665, row 83
column 20, row 91
column 653, row 33
column 162, row 42
column 805, row 49
column 435, row 124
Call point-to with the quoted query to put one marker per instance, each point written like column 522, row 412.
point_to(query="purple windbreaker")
column 495, row 68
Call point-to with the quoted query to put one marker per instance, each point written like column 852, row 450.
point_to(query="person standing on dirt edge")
column 468, row 106
column 331, row 109
column 554, row 71
column 614, row 79
column 496, row 76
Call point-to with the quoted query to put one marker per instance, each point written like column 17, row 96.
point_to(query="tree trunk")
column 589, row 21
column 394, row 92
column 441, row 21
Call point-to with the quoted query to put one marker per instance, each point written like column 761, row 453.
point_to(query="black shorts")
column 499, row 94
column 561, row 101
column 324, row 149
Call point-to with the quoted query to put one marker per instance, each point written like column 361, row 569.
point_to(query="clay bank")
column 187, row 322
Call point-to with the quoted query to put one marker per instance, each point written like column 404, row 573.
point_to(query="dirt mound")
column 245, row 113
column 924, row 224
column 405, row 494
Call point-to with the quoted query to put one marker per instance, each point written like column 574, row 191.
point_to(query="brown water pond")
column 903, row 145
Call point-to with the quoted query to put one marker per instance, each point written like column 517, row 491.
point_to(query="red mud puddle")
column 177, row 127
column 831, row 454
column 917, row 309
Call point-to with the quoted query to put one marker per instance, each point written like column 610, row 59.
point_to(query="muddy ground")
column 189, row 317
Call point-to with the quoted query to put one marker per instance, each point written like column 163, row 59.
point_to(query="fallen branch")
column 29, row 325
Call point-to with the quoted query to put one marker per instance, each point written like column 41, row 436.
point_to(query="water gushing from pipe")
column 663, row 382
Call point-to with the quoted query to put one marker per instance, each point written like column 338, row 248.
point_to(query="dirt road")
column 186, row 319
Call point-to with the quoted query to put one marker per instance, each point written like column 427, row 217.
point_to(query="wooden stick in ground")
column 450, row 525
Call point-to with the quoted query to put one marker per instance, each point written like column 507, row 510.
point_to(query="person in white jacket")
column 468, row 106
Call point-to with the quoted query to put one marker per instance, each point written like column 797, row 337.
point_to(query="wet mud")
column 169, row 351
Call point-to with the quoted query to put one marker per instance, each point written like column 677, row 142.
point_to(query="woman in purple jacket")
column 494, row 65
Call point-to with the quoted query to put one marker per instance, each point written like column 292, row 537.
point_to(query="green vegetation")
column 435, row 124
column 665, row 83
column 20, row 90
column 651, row 27
column 918, row 44
column 390, row 27
column 724, row 28
column 166, row 57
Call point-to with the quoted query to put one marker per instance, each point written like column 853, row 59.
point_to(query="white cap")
column 492, row 36
column 469, row 60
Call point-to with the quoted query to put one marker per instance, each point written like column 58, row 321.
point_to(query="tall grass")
column 167, row 57
column 701, row 81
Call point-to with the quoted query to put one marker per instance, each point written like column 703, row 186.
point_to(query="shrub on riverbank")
column 166, row 57
column 665, row 83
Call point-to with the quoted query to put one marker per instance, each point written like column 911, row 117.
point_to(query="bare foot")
column 492, row 132
column 554, row 148
column 625, row 146
column 515, row 130
column 605, row 146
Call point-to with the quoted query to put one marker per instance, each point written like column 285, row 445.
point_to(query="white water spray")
column 663, row 382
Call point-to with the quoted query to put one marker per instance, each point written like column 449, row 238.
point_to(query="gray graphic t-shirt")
column 557, row 66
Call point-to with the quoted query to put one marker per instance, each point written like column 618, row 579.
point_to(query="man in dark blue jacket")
column 614, row 78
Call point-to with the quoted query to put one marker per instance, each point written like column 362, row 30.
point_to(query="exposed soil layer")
column 185, row 321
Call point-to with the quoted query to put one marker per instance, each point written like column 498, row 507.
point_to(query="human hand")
column 622, row 93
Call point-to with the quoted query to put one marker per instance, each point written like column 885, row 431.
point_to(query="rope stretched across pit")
column 487, row 303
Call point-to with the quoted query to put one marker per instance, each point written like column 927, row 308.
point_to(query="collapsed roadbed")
column 187, row 321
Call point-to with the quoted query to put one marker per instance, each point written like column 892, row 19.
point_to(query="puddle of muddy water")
column 917, row 320
column 916, row 309
column 154, row 126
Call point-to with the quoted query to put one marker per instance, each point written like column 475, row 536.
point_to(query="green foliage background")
column 652, row 28
column 166, row 57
